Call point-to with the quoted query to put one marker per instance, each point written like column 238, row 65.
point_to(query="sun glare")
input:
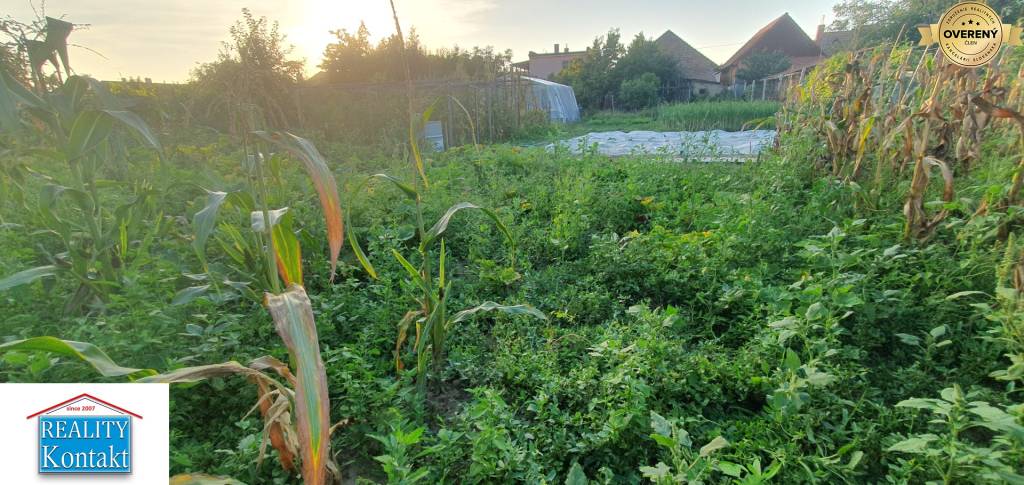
column 312, row 33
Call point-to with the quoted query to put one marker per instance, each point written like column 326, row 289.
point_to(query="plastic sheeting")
column 558, row 100
column 695, row 145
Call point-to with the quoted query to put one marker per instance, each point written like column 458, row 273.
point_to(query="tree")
column 641, row 92
column 607, row 66
column 760, row 65
column 591, row 77
column 346, row 60
column 252, row 79
column 644, row 56
column 352, row 58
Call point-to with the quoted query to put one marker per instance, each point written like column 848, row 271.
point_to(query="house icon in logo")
column 85, row 434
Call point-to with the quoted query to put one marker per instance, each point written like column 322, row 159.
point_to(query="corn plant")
column 884, row 112
column 79, row 121
column 304, row 392
column 296, row 408
column 432, row 320
column 250, row 263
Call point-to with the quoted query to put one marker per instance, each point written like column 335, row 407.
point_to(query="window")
column 565, row 64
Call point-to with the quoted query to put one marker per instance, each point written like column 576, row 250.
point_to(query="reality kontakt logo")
column 85, row 434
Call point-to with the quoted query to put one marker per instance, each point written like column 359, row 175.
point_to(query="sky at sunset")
column 164, row 39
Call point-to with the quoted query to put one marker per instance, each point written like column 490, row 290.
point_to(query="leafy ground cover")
column 807, row 318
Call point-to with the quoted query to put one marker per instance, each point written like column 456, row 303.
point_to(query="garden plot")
column 714, row 145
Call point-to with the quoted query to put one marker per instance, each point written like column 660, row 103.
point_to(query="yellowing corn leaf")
column 293, row 318
column 288, row 254
column 274, row 399
column 203, row 372
column 318, row 171
column 202, row 479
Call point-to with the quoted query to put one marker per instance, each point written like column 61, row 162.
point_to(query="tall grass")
column 698, row 116
column 710, row 115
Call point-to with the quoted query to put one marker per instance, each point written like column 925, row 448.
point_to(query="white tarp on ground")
column 558, row 100
column 698, row 145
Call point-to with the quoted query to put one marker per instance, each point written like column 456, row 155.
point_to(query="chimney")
column 556, row 49
column 566, row 49
column 821, row 31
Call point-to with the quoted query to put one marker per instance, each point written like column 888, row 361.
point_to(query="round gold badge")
column 970, row 34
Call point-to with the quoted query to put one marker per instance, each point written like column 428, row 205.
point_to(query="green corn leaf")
column 323, row 180
column 10, row 118
column 416, row 155
column 205, row 221
column 84, row 351
column 407, row 189
column 962, row 294
column 133, row 121
column 490, row 306
column 413, row 272
column 442, row 259
column 89, row 129
column 293, row 318
column 27, row 276
column 187, row 295
column 442, row 224
column 353, row 241
column 20, row 93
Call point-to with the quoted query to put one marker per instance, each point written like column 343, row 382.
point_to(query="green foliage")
column 609, row 70
column 686, row 465
column 353, row 58
column 644, row 57
column 641, row 92
column 591, row 77
column 249, row 86
column 82, row 123
column 880, row 21
column 760, row 65
column 959, row 453
column 675, row 307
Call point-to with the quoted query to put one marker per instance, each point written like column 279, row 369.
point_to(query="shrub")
column 641, row 92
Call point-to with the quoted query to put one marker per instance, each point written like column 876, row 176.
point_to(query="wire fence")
column 485, row 111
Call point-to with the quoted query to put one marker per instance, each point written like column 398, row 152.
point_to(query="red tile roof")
column 782, row 35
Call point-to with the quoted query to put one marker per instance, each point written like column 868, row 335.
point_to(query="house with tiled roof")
column 780, row 35
column 699, row 72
